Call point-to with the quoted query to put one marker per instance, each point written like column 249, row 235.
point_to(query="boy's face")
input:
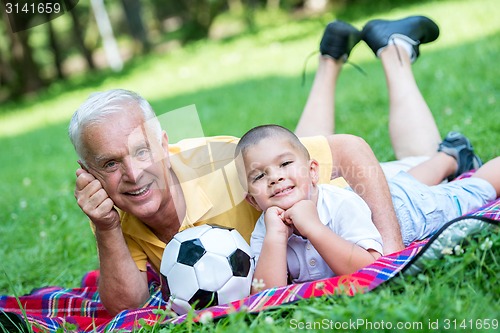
column 278, row 174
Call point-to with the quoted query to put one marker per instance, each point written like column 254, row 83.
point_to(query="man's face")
column 130, row 162
column 277, row 174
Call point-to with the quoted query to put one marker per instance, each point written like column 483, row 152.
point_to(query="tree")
column 199, row 16
column 56, row 51
column 133, row 14
column 25, row 74
column 78, row 33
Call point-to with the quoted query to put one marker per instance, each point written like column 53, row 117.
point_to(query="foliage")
column 58, row 46
column 237, row 82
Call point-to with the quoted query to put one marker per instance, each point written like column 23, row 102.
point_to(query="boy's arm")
column 271, row 266
column 354, row 160
column 341, row 255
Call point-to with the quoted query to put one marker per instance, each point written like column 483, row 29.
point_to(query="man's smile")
column 140, row 191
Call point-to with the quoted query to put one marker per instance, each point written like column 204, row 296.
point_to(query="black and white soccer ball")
column 204, row 266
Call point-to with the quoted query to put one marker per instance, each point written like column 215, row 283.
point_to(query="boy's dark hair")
column 253, row 137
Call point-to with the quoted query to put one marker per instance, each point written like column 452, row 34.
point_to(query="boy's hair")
column 253, row 137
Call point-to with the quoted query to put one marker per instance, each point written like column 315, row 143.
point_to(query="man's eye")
column 142, row 153
column 110, row 165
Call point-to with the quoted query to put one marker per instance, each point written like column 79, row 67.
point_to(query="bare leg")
column 319, row 113
column 489, row 172
column 412, row 128
column 435, row 169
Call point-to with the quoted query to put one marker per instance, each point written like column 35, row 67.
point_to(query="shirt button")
column 308, row 247
column 312, row 262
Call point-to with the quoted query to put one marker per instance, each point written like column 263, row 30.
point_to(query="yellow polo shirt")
column 207, row 174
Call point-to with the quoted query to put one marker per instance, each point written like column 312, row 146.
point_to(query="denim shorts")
column 422, row 210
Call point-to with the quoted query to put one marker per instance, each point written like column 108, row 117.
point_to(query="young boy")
column 309, row 231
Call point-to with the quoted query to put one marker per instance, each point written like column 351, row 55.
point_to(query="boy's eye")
column 258, row 177
column 286, row 163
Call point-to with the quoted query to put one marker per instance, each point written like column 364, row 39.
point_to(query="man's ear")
column 314, row 171
column 164, row 140
column 164, row 144
column 251, row 200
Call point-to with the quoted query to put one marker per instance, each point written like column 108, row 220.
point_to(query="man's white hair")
column 100, row 105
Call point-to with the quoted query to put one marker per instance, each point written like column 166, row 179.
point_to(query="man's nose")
column 131, row 169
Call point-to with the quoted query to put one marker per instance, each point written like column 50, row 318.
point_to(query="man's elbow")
column 346, row 143
column 346, row 148
column 115, row 304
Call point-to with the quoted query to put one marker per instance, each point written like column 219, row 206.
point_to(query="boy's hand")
column 303, row 216
column 273, row 218
column 94, row 201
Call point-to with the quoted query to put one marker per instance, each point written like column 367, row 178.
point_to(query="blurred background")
column 100, row 34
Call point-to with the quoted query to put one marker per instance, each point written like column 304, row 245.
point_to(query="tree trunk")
column 77, row 32
column 273, row 4
column 235, row 6
column 108, row 39
column 26, row 76
column 55, row 50
column 133, row 14
column 201, row 14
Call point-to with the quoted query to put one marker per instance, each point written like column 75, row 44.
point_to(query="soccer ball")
column 204, row 266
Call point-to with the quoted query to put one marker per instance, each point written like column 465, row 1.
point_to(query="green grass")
column 236, row 84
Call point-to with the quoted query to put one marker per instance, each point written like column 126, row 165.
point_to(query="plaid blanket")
column 79, row 310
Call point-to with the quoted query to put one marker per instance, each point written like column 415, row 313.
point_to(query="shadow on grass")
column 352, row 10
column 361, row 104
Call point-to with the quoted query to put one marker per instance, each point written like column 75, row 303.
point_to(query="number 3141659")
column 32, row 8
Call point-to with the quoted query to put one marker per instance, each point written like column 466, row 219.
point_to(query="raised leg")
column 318, row 117
column 412, row 128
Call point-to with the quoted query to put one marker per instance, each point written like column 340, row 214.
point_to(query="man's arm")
column 121, row 284
column 354, row 160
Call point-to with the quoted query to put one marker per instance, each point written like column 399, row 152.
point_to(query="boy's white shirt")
column 343, row 212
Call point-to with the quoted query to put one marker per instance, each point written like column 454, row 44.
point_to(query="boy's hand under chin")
column 275, row 223
column 304, row 217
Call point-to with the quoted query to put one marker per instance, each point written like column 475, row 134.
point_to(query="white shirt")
column 343, row 212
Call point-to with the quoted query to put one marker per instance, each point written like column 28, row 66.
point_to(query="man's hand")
column 94, row 201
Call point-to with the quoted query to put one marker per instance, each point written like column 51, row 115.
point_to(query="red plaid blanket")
column 51, row 308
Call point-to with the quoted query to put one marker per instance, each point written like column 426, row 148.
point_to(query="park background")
column 242, row 66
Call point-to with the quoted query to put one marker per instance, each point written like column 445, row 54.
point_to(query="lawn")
column 236, row 84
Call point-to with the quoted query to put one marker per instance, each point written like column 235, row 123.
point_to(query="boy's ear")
column 314, row 171
column 252, row 202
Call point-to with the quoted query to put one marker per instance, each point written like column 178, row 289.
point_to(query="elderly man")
column 139, row 190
